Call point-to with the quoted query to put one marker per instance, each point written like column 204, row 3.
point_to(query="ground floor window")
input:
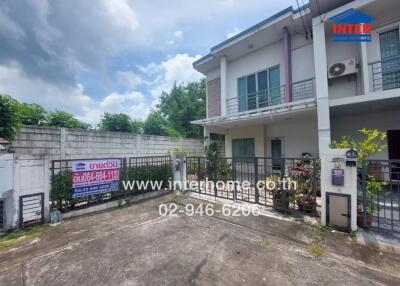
column 243, row 148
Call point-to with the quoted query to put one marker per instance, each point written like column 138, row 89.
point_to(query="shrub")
column 9, row 117
column 150, row 173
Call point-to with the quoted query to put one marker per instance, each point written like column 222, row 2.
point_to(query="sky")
column 91, row 57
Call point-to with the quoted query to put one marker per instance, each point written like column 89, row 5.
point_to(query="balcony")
column 385, row 74
column 271, row 97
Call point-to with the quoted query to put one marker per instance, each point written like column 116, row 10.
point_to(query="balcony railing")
column 386, row 74
column 273, row 96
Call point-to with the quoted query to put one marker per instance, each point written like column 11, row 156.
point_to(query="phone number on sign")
column 95, row 176
column 207, row 210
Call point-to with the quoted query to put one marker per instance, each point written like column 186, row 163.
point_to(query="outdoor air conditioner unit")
column 345, row 67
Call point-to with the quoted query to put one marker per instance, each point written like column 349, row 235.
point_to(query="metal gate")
column 203, row 173
column 31, row 210
column 1, row 215
column 379, row 195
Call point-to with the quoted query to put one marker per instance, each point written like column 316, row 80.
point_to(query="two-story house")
column 284, row 87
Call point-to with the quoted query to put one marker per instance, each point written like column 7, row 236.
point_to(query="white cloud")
column 121, row 13
column 178, row 35
column 72, row 98
column 129, row 78
column 115, row 102
column 235, row 31
column 177, row 69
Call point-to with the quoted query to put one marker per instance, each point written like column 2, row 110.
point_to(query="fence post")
column 234, row 178
column 198, row 174
column 314, row 184
column 257, row 195
column 283, row 190
column 364, row 192
column 215, row 179
column 124, row 175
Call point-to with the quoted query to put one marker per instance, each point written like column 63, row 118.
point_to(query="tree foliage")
column 32, row 114
column 9, row 118
column 183, row 104
column 155, row 124
column 116, row 122
column 137, row 126
column 371, row 143
column 60, row 118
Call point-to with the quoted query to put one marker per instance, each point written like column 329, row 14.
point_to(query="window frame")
column 243, row 158
column 257, row 90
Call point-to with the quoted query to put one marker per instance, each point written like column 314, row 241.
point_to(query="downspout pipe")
column 288, row 64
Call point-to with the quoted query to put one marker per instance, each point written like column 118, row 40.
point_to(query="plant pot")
column 278, row 203
column 360, row 219
column 305, row 206
column 223, row 178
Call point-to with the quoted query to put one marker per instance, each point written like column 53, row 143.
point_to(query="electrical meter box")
column 338, row 177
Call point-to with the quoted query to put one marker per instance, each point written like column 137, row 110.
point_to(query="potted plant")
column 374, row 188
column 223, row 171
column 305, row 194
column 278, row 200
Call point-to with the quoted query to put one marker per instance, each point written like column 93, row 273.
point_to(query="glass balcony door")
column 259, row 90
column 390, row 58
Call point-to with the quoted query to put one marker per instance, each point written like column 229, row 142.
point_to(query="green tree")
column 116, row 122
column 155, row 124
column 32, row 114
column 137, row 126
column 370, row 143
column 9, row 118
column 183, row 104
column 60, row 118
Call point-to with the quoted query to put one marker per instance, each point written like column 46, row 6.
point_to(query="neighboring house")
column 284, row 88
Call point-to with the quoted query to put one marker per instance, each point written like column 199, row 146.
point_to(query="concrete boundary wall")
column 62, row 143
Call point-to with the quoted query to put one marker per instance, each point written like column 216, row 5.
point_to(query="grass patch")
column 11, row 238
column 266, row 242
column 353, row 235
column 316, row 249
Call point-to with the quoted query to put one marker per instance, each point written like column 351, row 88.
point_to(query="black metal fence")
column 283, row 183
column 379, row 195
column 132, row 169
column 386, row 74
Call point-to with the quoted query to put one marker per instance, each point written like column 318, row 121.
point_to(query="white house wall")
column 302, row 58
column 213, row 74
column 298, row 137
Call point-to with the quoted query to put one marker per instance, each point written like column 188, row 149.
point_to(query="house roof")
column 352, row 16
column 250, row 30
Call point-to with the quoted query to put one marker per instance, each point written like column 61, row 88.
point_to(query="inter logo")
column 351, row 26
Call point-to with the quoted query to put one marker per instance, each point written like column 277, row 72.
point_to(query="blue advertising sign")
column 90, row 177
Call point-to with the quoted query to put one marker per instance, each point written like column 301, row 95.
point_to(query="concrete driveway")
column 136, row 246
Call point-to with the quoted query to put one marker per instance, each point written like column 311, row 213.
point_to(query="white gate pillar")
column 178, row 162
column 332, row 162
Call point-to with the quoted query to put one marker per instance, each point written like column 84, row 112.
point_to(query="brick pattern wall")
column 61, row 143
column 214, row 97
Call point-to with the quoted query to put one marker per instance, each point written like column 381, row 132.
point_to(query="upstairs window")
column 389, row 42
column 260, row 89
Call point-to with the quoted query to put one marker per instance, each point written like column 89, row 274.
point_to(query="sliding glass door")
column 390, row 56
column 260, row 89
